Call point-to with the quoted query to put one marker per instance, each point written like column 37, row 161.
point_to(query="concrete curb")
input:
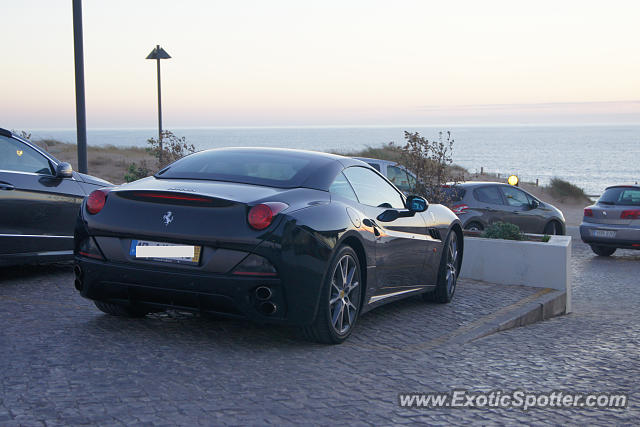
column 543, row 305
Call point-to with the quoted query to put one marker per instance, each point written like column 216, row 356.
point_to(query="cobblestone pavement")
column 63, row 362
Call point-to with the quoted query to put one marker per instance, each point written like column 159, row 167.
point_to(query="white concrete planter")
column 511, row 262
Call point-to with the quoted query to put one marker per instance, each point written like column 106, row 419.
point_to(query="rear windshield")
column 621, row 196
column 249, row 167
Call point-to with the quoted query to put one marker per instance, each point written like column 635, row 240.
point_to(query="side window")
column 16, row 156
column 489, row 194
column 400, row 178
column 515, row 197
column 372, row 190
column 342, row 188
column 376, row 166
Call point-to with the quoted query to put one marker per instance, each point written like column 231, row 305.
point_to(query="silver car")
column 613, row 221
column 396, row 173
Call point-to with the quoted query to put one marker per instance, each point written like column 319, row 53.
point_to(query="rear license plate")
column 603, row 233
column 165, row 252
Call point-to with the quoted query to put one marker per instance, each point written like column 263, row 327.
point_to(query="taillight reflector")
column 261, row 216
column 460, row 209
column 97, row 200
column 588, row 212
column 630, row 214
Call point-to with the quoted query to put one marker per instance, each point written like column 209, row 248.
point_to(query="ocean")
column 590, row 156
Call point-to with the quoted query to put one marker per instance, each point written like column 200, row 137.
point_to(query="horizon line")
column 342, row 126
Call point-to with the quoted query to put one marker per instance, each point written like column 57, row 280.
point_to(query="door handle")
column 516, row 212
column 6, row 186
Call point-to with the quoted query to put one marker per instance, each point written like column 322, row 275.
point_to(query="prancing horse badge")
column 167, row 218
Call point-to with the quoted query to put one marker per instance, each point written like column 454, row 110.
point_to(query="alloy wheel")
column 345, row 294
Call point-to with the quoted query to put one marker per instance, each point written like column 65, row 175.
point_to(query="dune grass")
column 108, row 162
column 562, row 189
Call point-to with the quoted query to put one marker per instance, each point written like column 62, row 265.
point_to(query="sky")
column 303, row 63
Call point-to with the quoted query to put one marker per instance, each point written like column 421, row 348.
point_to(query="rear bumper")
column 625, row 236
column 155, row 288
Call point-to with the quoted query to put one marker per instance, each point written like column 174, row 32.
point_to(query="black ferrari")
column 274, row 235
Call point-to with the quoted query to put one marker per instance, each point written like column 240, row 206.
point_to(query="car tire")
column 120, row 310
column 339, row 293
column 552, row 228
column 474, row 226
column 603, row 250
column 447, row 273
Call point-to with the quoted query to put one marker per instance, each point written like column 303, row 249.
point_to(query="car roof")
column 636, row 186
column 319, row 174
column 469, row 184
column 304, row 154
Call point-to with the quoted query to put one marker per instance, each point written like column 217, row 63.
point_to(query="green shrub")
column 545, row 238
column 169, row 149
column 137, row 172
column 503, row 230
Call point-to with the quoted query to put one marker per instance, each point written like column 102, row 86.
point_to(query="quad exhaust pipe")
column 263, row 296
column 268, row 308
column 263, row 293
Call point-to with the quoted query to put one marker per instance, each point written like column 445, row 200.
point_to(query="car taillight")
column 588, row 212
column 261, row 216
column 460, row 209
column 630, row 214
column 96, row 200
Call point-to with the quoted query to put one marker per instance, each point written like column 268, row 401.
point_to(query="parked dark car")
column 613, row 221
column 39, row 201
column 479, row 204
column 296, row 237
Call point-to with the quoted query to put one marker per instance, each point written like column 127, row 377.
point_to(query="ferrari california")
column 297, row 237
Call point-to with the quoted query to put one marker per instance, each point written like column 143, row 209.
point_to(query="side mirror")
column 534, row 204
column 388, row 216
column 64, row 170
column 417, row 204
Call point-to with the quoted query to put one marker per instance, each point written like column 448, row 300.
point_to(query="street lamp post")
column 81, row 118
column 159, row 53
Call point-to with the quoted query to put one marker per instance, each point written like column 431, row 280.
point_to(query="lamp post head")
column 158, row 53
